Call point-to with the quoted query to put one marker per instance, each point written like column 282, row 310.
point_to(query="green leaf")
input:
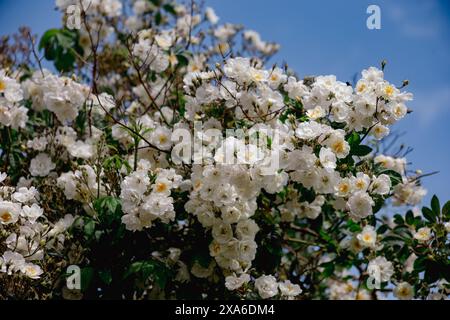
column 147, row 269
column 64, row 61
column 153, row 269
column 135, row 267
column 89, row 228
column 418, row 222
column 420, row 264
column 382, row 229
column 156, row 2
column 115, row 162
column 353, row 226
column 158, row 18
column 435, row 206
column 446, row 210
column 353, row 140
column 108, row 207
column 46, row 37
column 170, row 9
column 361, row 150
column 429, row 214
column 328, row 268
column 182, row 60
column 87, row 275
column 60, row 46
column 379, row 203
column 64, row 38
column 410, row 218
column 398, row 219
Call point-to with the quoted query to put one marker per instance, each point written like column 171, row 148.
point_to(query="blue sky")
column 331, row 37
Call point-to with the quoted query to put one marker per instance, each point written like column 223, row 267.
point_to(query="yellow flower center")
column 2, row 85
column 338, row 146
column 258, row 77
column 389, row 90
column 360, row 184
column 162, row 138
column 31, row 271
column 161, row 187
column 84, row 41
column 197, row 185
column 6, row 216
column 423, row 234
column 344, row 188
column 398, row 111
column 361, row 87
column 216, row 248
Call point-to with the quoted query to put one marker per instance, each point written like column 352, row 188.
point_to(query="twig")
column 33, row 49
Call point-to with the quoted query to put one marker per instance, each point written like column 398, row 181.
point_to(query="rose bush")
column 167, row 160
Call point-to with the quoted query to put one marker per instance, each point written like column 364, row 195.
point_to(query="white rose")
column 289, row 289
column 404, row 291
column 41, row 165
column 423, row 234
column 360, row 205
column 233, row 282
column 367, row 237
column 267, row 286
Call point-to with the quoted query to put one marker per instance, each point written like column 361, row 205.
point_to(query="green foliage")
column 153, row 269
column 446, row 210
column 356, row 148
column 429, row 214
column 62, row 47
column 307, row 234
